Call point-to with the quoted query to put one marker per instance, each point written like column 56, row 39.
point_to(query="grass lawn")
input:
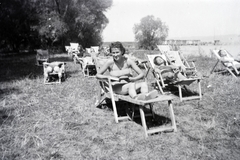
column 40, row 121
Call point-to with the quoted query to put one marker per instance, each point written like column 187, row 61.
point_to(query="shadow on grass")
column 61, row 58
column 5, row 116
column 226, row 72
column 186, row 92
column 21, row 66
column 125, row 108
column 8, row 91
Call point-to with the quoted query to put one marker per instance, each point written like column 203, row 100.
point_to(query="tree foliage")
column 150, row 32
column 44, row 23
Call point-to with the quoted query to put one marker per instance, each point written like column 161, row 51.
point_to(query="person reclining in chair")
column 228, row 60
column 119, row 66
column 168, row 72
column 54, row 68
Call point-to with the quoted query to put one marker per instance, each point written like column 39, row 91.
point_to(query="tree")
column 52, row 22
column 15, row 19
column 79, row 21
column 150, row 32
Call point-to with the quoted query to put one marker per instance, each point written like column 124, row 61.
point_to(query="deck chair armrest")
column 108, row 78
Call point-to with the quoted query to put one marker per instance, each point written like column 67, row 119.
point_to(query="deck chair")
column 88, row 67
column 42, row 56
column 88, row 50
column 74, row 48
column 164, row 48
column 68, row 49
column 230, row 66
column 95, row 49
column 106, row 92
column 176, row 58
column 163, row 83
column 54, row 72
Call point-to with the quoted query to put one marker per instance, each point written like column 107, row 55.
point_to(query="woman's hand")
column 132, row 79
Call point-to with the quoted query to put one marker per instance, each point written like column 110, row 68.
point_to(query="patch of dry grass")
column 40, row 121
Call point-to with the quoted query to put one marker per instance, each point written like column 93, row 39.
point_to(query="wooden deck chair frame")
column 41, row 56
column 176, row 58
column 180, row 84
column 165, row 49
column 106, row 92
column 58, row 80
column 229, row 68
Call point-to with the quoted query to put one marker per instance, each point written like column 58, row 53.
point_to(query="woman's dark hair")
column 117, row 45
column 155, row 60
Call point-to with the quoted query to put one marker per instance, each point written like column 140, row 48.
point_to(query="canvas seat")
column 165, row 84
column 42, row 56
column 106, row 93
column 54, row 72
column 164, row 48
column 228, row 62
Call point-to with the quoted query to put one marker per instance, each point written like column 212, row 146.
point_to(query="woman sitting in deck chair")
column 168, row 72
column 121, row 67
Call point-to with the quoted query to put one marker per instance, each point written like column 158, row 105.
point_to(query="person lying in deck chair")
column 53, row 67
column 228, row 60
column 168, row 72
column 119, row 67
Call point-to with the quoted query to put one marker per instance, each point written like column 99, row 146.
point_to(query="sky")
column 185, row 18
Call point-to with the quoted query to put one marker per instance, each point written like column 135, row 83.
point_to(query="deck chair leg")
column 180, row 93
column 151, row 109
column 172, row 116
column 199, row 89
column 214, row 67
column 143, row 120
column 160, row 88
column 229, row 70
column 115, row 111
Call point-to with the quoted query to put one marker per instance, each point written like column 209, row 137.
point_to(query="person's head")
column 222, row 53
column 117, row 50
column 158, row 60
column 117, row 45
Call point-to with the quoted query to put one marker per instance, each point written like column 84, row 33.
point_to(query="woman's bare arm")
column 136, row 69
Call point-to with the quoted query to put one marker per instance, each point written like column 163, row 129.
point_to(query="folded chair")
column 228, row 62
column 42, row 56
column 54, row 72
column 163, row 83
column 106, row 92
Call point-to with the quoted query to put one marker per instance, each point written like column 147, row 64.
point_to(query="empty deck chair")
column 164, row 48
column 68, row 49
column 74, row 48
column 106, row 92
column 42, row 56
column 163, row 83
column 54, row 72
column 227, row 61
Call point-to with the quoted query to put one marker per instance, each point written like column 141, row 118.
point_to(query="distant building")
column 217, row 42
column 181, row 42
